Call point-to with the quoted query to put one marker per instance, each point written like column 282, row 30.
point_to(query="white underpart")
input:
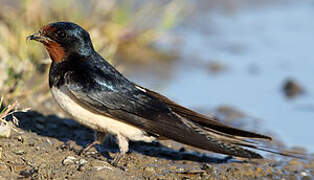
column 99, row 122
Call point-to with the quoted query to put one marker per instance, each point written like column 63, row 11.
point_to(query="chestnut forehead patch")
column 47, row 29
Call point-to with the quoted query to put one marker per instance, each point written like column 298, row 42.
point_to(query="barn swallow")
column 96, row 95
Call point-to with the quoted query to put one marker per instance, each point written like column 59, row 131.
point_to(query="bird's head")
column 62, row 39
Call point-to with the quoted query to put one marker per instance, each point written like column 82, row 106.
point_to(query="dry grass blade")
column 7, row 111
column 5, row 126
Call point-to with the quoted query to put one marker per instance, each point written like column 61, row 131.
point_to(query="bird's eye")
column 61, row 34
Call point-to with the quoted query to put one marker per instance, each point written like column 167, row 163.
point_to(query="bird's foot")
column 99, row 137
column 116, row 160
column 84, row 150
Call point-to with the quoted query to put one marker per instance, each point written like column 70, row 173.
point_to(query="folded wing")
column 156, row 114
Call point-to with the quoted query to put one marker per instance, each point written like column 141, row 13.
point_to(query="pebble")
column 292, row 88
column 69, row 160
column 82, row 162
column 48, row 141
column 303, row 174
column 19, row 152
column 19, row 138
column 99, row 168
column 5, row 130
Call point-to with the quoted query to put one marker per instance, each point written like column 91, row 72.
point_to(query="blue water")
column 261, row 48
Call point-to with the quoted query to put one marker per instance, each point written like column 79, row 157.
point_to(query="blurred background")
column 252, row 59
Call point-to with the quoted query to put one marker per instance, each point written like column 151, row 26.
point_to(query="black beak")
column 36, row 37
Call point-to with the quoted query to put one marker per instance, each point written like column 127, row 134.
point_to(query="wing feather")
column 156, row 114
column 208, row 121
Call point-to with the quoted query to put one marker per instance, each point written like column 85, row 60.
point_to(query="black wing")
column 207, row 121
column 115, row 96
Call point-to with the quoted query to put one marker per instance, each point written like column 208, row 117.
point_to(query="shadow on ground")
column 47, row 147
column 68, row 130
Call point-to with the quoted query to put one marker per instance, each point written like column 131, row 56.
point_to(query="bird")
column 98, row 96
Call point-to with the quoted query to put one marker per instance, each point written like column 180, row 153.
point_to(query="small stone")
column 69, row 160
column 291, row 88
column 5, row 130
column 48, row 141
column 19, row 152
column 19, row 138
column 303, row 174
column 99, row 168
column 82, row 162
column 181, row 169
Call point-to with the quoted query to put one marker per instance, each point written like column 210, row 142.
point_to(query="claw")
column 99, row 138
column 115, row 161
column 84, row 150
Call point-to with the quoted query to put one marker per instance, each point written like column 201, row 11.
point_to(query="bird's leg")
column 99, row 137
column 123, row 144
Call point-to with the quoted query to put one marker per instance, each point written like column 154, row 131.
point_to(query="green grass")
column 122, row 29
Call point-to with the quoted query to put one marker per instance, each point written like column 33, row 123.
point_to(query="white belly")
column 96, row 121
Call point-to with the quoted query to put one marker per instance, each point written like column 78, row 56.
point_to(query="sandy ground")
column 47, row 147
